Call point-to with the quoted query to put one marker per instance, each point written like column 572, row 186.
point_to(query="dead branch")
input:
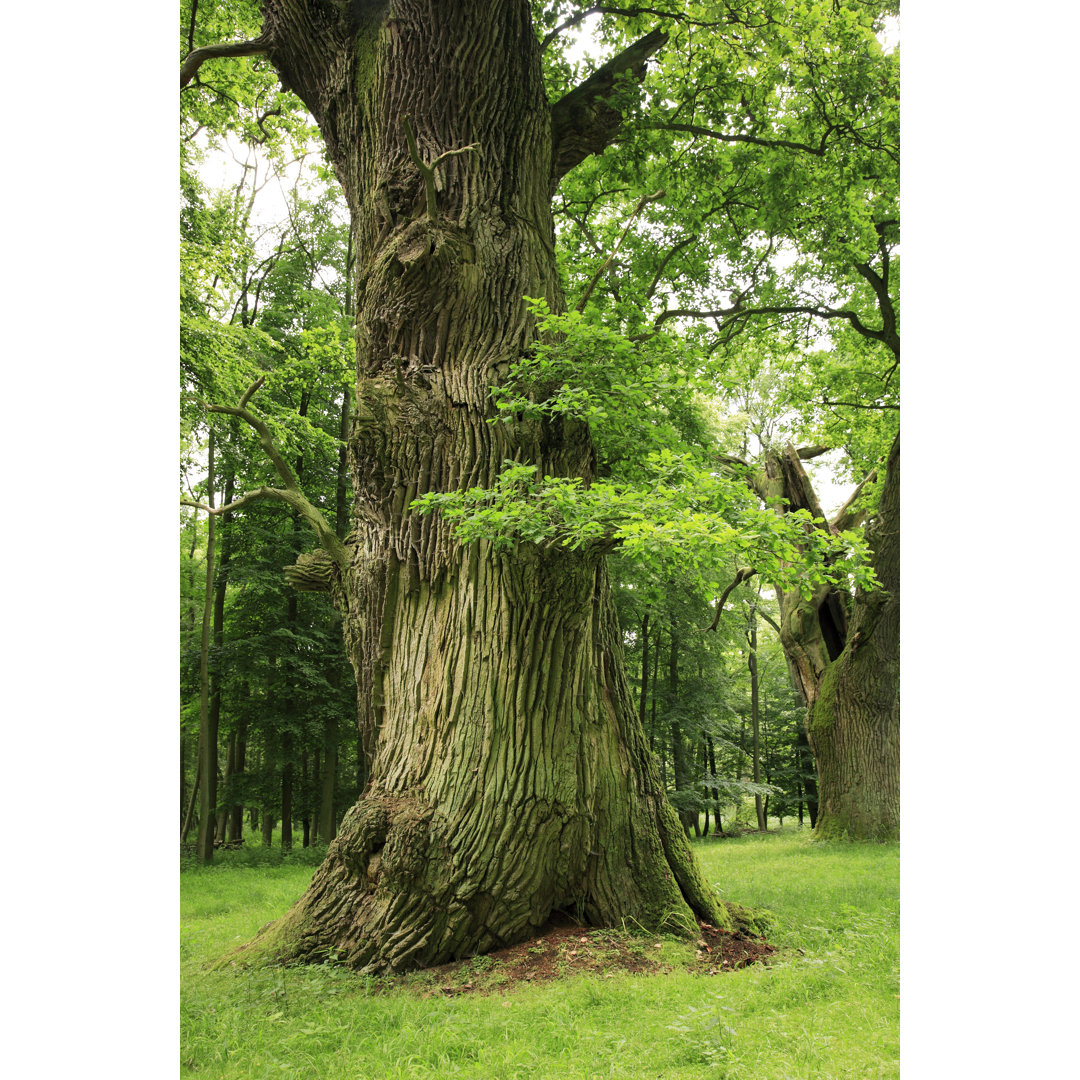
column 583, row 122
column 290, row 494
column 847, row 517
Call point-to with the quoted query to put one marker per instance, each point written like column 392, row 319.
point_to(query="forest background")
column 989, row 295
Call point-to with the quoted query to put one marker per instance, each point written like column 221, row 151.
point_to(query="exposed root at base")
column 566, row 951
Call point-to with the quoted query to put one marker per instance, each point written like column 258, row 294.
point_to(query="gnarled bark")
column 854, row 722
column 843, row 653
column 510, row 778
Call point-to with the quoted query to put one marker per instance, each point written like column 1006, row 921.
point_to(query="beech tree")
column 510, row 778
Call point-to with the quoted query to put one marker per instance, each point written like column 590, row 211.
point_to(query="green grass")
column 825, row 1009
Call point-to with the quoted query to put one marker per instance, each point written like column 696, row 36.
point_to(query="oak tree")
column 510, row 776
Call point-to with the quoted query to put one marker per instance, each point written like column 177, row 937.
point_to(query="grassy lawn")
column 826, row 1007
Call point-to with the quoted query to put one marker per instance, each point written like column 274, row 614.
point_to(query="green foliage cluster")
column 660, row 505
column 636, row 396
column 685, row 519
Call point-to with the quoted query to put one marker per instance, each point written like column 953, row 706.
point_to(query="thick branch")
column 194, row 60
column 191, row 26
column 857, row 405
column 251, row 391
column 266, row 441
column 583, row 122
column 744, row 574
column 291, row 493
column 247, row 497
column 808, row 453
column 885, row 306
column 753, row 140
column 847, row 517
column 739, row 313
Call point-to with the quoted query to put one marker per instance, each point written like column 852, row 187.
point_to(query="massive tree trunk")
column 844, row 656
column 510, row 778
column 854, row 722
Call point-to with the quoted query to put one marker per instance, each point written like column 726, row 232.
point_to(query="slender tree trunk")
column 327, row 829
column 854, row 723
column 755, row 718
column 230, row 765
column 220, row 585
column 286, row 791
column 808, row 772
column 236, row 814
column 743, row 753
column 644, row 669
column 188, row 618
column 183, row 777
column 705, row 782
column 207, row 728
column 310, row 784
column 510, row 778
column 190, row 810
column 652, row 717
column 680, row 764
column 268, row 823
column 715, row 790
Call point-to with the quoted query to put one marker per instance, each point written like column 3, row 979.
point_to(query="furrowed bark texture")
column 510, row 778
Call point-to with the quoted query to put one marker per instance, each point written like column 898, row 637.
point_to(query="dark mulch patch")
column 721, row 950
column 571, row 950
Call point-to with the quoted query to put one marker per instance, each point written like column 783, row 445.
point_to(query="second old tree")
column 510, row 779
